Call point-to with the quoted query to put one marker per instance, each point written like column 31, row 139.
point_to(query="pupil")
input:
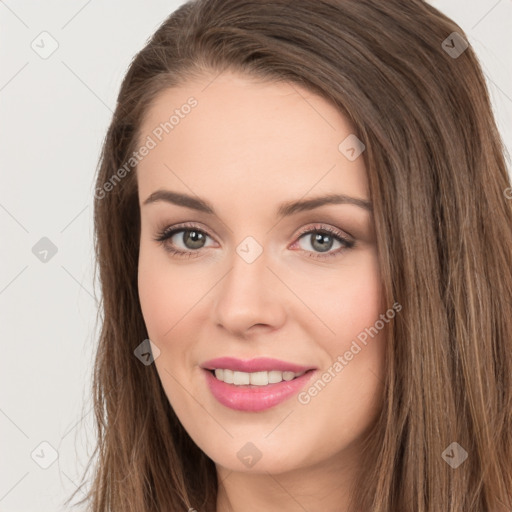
column 195, row 237
column 323, row 238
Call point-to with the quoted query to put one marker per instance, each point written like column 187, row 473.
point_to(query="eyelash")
column 169, row 232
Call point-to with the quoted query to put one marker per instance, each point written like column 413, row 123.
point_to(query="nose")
column 249, row 298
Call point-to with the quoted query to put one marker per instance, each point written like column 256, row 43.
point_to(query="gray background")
column 54, row 114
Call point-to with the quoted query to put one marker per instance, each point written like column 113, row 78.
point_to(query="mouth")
column 256, row 365
column 255, row 391
column 255, row 379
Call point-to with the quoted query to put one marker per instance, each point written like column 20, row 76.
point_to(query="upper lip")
column 259, row 364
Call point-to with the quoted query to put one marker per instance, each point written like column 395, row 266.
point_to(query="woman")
column 304, row 237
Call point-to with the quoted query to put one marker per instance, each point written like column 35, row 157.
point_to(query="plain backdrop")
column 54, row 114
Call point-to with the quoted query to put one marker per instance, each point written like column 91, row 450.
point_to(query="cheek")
column 165, row 294
column 354, row 367
column 154, row 297
column 360, row 304
column 360, row 330
column 346, row 301
column 172, row 303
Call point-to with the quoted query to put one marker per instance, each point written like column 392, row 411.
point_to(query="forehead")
column 247, row 137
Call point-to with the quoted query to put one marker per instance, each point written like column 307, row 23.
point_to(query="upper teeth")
column 255, row 378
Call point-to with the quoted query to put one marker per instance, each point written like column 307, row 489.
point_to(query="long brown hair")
column 438, row 182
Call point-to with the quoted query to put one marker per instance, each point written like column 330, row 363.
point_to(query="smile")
column 242, row 395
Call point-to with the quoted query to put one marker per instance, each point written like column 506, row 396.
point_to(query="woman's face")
column 255, row 277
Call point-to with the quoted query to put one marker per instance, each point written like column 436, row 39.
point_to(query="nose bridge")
column 249, row 273
column 246, row 295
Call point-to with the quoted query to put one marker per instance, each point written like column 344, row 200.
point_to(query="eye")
column 320, row 238
column 189, row 235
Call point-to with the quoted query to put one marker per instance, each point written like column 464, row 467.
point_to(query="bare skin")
column 246, row 148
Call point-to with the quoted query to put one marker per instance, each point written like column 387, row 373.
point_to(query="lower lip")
column 255, row 398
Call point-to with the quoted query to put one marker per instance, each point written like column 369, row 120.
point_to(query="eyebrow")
column 285, row 209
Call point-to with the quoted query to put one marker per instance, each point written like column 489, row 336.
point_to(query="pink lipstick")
column 277, row 381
